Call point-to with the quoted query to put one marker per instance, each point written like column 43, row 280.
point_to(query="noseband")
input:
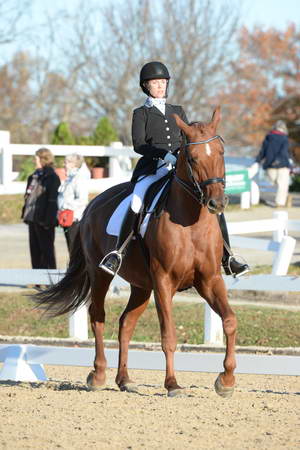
column 197, row 188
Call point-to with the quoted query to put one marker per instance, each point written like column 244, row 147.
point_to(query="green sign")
column 237, row 181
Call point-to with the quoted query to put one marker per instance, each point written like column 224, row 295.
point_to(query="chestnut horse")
column 185, row 248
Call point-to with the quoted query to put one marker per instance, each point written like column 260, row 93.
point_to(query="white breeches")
column 142, row 186
column 280, row 177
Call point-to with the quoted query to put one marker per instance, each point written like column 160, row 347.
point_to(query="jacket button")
column 168, row 137
column 166, row 121
column 169, row 145
column 167, row 128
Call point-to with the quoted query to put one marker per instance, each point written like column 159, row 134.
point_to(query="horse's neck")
column 183, row 207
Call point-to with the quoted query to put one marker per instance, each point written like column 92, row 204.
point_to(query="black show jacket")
column 154, row 135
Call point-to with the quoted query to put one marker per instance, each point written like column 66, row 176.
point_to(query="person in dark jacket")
column 40, row 210
column 275, row 157
column 155, row 136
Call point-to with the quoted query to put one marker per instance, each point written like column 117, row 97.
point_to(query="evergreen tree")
column 63, row 135
column 104, row 133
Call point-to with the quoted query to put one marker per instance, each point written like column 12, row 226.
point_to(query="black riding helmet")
column 152, row 71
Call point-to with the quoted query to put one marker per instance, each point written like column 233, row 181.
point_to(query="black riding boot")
column 230, row 264
column 111, row 263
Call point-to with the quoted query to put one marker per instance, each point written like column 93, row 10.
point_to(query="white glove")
column 252, row 170
column 170, row 159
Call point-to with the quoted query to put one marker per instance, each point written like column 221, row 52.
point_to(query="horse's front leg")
column 216, row 295
column 137, row 304
column 163, row 292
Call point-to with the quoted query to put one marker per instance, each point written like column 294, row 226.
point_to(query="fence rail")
column 25, row 362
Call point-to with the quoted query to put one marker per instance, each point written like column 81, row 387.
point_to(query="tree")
column 104, row 133
column 108, row 46
column 62, row 135
column 11, row 12
column 263, row 85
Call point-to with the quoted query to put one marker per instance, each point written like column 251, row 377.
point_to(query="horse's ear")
column 182, row 125
column 216, row 117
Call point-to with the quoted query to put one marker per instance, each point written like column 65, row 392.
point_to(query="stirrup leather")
column 112, row 262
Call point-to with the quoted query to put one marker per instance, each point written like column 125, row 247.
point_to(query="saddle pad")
column 114, row 224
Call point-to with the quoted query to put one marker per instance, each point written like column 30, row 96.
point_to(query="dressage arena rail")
column 25, row 362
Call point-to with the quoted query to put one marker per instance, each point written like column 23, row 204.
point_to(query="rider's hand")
column 170, row 159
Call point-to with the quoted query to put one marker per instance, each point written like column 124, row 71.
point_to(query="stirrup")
column 111, row 267
column 228, row 269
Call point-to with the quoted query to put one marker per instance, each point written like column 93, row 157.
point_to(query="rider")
column 156, row 136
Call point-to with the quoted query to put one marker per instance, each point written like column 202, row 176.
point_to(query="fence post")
column 213, row 328
column 255, row 194
column 283, row 257
column 78, row 324
column 245, row 200
column 282, row 217
column 5, row 158
column 115, row 169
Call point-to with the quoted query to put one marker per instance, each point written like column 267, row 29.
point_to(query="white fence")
column 119, row 162
column 25, row 362
column 119, row 166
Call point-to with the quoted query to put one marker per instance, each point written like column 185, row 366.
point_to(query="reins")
column 196, row 190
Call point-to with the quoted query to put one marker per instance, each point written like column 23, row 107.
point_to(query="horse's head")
column 201, row 162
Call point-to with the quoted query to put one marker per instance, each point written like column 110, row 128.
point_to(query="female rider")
column 156, row 136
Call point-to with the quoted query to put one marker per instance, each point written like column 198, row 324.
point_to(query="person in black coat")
column 275, row 156
column 156, row 136
column 40, row 210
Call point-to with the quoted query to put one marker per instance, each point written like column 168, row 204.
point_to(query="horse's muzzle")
column 217, row 205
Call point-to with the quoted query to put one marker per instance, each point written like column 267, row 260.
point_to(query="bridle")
column 195, row 189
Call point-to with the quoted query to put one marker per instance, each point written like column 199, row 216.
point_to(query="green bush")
column 295, row 186
column 26, row 169
column 63, row 135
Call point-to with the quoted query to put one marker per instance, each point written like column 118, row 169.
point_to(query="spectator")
column 73, row 193
column 40, row 210
column 275, row 157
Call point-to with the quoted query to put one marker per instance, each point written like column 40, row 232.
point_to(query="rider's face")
column 157, row 88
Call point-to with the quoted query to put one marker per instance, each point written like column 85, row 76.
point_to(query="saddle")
column 157, row 210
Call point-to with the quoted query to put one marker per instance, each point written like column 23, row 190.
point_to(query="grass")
column 11, row 208
column 257, row 325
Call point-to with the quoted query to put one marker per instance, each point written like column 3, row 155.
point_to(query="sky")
column 269, row 13
column 265, row 13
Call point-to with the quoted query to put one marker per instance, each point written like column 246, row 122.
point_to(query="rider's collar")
column 159, row 103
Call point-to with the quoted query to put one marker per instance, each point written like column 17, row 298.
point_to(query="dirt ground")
column 263, row 413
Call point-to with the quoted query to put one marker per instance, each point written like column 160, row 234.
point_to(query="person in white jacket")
column 73, row 192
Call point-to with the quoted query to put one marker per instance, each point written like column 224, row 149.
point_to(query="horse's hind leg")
column 137, row 304
column 99, row 288
column 216, row 295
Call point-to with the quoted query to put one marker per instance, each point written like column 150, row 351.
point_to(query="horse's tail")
column 72, row 290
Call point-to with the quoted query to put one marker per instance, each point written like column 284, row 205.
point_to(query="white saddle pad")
column 114, row 225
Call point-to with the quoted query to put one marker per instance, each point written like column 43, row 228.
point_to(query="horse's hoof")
column 129, row 387
column 178, row 393
column 93, row 385
column 223, row 391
